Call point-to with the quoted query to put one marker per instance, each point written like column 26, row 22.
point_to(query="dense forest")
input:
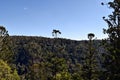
column 46, row 58
column 41, row 58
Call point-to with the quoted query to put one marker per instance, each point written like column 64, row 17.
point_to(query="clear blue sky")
column 74, row 18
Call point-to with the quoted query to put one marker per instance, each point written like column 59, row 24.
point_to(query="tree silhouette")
column 113, row 59
column 54, row 33
column 3, row 35
column 89, row 60
column 90, row 36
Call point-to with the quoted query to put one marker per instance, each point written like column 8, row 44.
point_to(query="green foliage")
column 76, row 76
column 62, row 76
column 90, row 68
column 6, row 73
column 47, row 59
column 112, row 58
column 5, row 49
column 50, row 55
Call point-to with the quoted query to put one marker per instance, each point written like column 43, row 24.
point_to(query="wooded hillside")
column 49, row 58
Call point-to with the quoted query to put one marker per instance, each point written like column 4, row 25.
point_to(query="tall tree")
column 54, row 33
column 90, row 67
column 112, row 59
column 90, row 56
column 5, row 49
column 3, row 35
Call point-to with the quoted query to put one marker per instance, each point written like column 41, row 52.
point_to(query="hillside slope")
column 43, row 58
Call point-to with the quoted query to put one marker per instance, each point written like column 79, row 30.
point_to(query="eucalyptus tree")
column 112, row 61
column 54, row 33
column 5, row 52
column 3, row 35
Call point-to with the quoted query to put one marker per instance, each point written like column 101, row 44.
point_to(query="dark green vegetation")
column 7, row 72
column 49, row 59
column 112, row 59
column 45, row 58
column 39, row 58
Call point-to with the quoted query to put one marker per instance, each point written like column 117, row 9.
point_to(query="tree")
column 90, row 64
column 6, row 73
column 5, row 45
column 6, row 53
column 90, row 36
column 112, row 58
column 54, row 33
column 77, row 74
column 58, row 66
column 3, row 35
column 3, row 32
column 91, row 53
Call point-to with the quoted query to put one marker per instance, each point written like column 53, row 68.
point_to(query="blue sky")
column 74, row 18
